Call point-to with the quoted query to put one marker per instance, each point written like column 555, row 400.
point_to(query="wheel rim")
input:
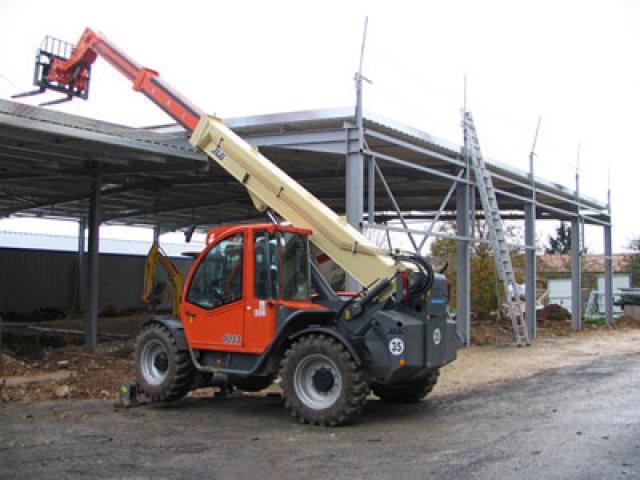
column 317, row 381
column 155, row 362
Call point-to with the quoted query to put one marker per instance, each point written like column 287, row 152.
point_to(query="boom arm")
column 268, row 185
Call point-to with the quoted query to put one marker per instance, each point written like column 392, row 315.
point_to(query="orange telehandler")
column 254, row 306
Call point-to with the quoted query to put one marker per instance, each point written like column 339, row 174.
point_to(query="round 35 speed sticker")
column 396, row 346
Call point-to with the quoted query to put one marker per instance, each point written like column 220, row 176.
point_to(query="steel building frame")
column 58, row 165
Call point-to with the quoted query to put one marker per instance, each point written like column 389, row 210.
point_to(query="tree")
column 484, row 282
column 561, row 242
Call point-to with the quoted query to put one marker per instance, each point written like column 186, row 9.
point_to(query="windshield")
column 281, row 266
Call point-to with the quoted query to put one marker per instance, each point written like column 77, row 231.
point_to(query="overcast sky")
column 574, row 63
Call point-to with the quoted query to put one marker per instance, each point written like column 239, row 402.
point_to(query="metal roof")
column 49, row 159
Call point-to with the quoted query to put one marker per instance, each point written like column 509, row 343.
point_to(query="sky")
column 575, row 63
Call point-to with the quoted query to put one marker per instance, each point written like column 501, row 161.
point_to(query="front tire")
column 164, row 372
column 321, row 382
column 408, row 393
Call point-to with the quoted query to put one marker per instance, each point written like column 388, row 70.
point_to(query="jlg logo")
column 219, row 154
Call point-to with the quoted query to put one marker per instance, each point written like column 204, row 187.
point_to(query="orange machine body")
column 247, row 324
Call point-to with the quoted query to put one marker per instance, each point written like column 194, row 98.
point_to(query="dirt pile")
column 552, row 321
column 553, row 312
column 66, row 372
column 486, row 329
column 626, row 321
column 53, row 363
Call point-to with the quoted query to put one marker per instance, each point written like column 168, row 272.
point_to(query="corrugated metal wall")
column 32, row 279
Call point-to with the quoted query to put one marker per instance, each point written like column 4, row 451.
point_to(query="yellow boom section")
column 270, row 187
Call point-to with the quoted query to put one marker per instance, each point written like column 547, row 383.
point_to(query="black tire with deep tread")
column 181, row 369
column 355, row 386
column 408, row 393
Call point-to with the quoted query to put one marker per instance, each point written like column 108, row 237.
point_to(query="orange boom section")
column 66, row 69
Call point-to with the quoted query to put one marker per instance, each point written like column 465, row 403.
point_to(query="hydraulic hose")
column 425, row 281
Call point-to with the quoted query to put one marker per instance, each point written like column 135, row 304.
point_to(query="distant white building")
column 69, row 243
column 554, row 273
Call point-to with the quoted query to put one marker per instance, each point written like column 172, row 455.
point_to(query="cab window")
column 281, row 266
column 267, row 278
column 295, row 266
column 218, row 279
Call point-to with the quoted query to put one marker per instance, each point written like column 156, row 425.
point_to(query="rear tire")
column 408, row 393
column 321, row 382
column 164, row 372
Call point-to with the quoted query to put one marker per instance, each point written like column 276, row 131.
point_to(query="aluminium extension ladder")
column 496, row 230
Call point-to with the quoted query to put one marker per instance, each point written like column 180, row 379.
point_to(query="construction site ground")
column 44, row 364
column 564, row 408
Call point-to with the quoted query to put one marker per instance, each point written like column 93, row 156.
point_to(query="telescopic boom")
column 268, row 186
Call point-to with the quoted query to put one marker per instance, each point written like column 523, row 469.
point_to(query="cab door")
column 214, row 307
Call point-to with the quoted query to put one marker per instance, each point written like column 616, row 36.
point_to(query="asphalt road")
column 579, row 423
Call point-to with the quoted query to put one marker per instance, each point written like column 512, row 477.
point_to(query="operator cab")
column 244, row 284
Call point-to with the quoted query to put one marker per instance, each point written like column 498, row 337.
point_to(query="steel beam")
column 469, row 238
column 608, row 276
column 395, row 205
column 414, row 166
column 415, row 148
column 141, row 212
column 440, row 211
column 576, row 276
column 329, row 141
column 91, row 332
column 530, row 268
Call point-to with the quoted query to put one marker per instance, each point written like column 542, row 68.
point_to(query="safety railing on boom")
column 57, row 47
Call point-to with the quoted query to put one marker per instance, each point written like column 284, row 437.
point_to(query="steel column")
column 354, row 193
column 463, row 265
column 608, row 276
column 371, row 191
column 91, row 332
column 82, row 277
column 354, row 169
column 530, row 268
column 576, row 276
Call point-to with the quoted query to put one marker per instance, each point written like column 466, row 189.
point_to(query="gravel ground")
column 573, row 422
column 75, row 372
